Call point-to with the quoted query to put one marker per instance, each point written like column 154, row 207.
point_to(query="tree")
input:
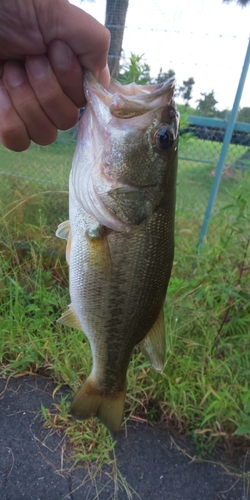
column 223, row 115
column 186, row 90
column 135, row 71
column 162, row 77
column 207, row 104
column 244, row 115
column 116, row 11
column 243, row 3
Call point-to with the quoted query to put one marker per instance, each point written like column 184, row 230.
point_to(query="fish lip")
column 146, row 92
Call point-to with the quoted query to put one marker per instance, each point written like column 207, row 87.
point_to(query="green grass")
column 46, row 169
column 50, row 164
column 203, row 389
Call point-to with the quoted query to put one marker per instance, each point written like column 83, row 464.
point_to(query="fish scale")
column 120, row 235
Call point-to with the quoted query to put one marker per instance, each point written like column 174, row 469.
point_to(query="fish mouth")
column 115, row 117
column 128, row 101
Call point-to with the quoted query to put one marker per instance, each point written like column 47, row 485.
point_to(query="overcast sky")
column 205, row 39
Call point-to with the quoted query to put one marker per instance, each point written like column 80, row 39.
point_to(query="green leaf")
column 242, row 430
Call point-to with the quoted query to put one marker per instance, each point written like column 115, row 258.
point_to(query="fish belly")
column 118, row 283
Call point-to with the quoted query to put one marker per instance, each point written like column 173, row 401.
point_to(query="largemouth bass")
column 120, row 234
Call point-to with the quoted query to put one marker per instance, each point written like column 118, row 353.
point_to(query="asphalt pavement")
column 155, row 464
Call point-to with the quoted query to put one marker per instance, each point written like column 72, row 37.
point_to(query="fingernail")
column 104, row 77
column 60, row 54
column 14, row 74
column 5, row 102
column 38, row 66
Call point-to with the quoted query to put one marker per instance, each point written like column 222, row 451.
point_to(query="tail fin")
column 89, row 402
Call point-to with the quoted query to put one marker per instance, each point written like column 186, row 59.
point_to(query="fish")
column 120, row 235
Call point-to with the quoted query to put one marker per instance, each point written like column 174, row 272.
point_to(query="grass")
column 203, row 390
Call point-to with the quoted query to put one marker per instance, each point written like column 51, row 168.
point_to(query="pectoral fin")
column 153, row 346
column 69, row 318
column 63, row 230
column 99, row 251
column 68, row 247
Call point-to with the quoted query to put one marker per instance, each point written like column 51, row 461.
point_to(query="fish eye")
column 164, row 138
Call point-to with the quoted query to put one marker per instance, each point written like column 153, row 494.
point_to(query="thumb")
column 88, row 39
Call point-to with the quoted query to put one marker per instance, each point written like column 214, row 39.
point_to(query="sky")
column 203, row 39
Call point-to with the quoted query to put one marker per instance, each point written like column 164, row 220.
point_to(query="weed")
column 203, row 389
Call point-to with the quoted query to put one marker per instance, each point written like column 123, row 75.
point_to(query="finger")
column 88, row 39
column 104, row 77
column 59, row 108
column 13, row 134
column 39, row 127
column 68, row 71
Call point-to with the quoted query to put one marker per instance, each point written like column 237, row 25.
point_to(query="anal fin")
column 69, row 318
column 153, row 346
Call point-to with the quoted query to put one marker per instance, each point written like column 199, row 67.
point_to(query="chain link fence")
column 165, row 38
column 199, row 152
column 46, row 170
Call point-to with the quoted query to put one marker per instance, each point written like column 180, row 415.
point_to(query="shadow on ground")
column 153, row 463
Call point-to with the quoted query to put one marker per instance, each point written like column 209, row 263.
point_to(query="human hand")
column 43, row 46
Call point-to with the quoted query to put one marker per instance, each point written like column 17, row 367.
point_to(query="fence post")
column 225, row 146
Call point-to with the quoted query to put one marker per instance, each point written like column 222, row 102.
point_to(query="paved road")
column 30, row 458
